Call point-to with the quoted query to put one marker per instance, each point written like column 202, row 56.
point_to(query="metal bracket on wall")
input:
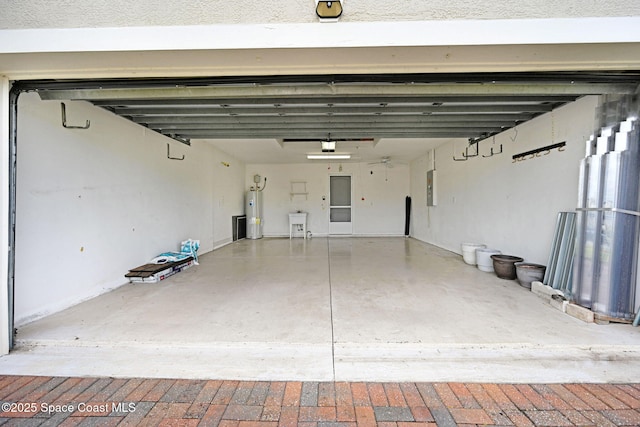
column 169, row 154
column 492, row 152
column 466, row 151
column 466, row 155
column 463, row 159
column 63, row 108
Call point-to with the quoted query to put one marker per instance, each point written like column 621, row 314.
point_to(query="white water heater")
column 253, row 209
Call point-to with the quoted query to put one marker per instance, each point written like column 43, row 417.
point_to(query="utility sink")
column 298, row 218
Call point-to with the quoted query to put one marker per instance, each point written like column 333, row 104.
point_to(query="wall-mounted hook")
column 494, row 153
column 561, row 148
column 63, row 108
column 463, row 159
column 466, row 151
column 169, row 154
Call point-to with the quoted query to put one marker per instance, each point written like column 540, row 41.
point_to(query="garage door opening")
column 110, row 193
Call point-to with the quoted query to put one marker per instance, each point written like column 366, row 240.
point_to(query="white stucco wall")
column 94, row 203
column 227, row 195
column 509, row 206
column 120, row 13
column 381, row 212
column 422, row 46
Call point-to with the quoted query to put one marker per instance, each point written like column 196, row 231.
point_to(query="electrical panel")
column 432, row 199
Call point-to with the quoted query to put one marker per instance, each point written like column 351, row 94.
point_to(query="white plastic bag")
column 166, row 257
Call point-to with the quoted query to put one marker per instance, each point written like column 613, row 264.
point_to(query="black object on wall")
column 407, row 215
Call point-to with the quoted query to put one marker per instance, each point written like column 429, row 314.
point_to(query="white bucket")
column 469, row 252
column 483, row 257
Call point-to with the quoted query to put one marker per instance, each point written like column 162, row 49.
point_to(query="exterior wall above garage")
column 315, row 48
column 98, row 13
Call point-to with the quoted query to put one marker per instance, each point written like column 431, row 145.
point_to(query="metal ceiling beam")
column 330, row 126
column 204, row 111
column 503, row 119
column 322, row 134
column 347, row 89
column 464, row 105
column 372, row 99
column 460, row 77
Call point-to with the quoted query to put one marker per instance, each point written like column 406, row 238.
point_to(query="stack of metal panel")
column 608, row 218
column 560, row 266
column 588, row 222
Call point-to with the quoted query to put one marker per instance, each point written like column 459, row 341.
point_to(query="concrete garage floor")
column 327, row 309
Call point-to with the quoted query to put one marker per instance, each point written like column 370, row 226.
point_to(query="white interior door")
column 340, row 218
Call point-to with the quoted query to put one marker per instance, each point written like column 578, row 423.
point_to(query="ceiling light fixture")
column 328, row 146
column 328, row 156
column 328, row 10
